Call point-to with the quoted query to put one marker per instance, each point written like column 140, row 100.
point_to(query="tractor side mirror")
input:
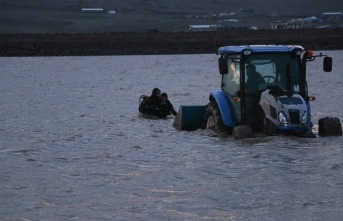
column 223, row 67
column 327, row 64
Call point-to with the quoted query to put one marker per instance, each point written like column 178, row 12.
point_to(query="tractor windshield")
column 278, row 71
column 274, row 71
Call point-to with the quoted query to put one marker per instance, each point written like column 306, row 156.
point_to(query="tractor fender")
column 224, row 106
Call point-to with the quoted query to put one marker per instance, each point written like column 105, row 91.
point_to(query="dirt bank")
column 160, row 42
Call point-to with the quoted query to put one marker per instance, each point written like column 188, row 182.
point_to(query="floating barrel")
column 190, row 118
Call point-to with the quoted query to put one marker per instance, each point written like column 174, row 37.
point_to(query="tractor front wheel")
column 269, row 127
column 214, row 118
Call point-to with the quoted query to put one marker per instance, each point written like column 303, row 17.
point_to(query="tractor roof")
column 258, row 49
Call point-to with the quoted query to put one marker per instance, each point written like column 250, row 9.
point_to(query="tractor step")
column 305, row 134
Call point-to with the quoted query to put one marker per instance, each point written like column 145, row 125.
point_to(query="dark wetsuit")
column 170, row 108
column 153, row 105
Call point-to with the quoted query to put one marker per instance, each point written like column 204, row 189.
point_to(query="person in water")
column 170, row 107
column 154, row 105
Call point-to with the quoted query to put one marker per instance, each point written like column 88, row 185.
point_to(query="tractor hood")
column 288, row 111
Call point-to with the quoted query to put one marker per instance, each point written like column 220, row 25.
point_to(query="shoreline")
column 153, row 42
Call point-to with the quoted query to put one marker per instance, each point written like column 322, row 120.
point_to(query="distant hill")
column 282, row 7
column 42, row 16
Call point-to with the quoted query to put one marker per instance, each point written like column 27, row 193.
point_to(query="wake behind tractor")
column 274, row 100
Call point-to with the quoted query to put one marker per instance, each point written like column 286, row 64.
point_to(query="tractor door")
column 259, row 74
column 231, row 85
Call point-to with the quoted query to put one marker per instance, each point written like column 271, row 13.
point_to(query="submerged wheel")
column 269, row 127
column 214, row 118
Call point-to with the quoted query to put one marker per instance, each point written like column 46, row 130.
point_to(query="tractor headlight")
column 282, row 118
column 304, row 118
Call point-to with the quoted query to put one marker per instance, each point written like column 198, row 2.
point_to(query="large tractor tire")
column 330, row 126
column 214, row 119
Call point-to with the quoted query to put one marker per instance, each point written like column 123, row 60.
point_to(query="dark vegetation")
column 130, row 43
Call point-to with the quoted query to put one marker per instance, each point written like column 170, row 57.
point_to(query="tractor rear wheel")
column 214, row 118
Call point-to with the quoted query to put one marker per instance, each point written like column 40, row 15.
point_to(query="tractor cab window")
column 231, row 82
column 278, row 71
column 268, row 71
column 259, row 74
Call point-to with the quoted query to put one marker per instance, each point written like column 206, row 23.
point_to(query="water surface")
column 72, row 146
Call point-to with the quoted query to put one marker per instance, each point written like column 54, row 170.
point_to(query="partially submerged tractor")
column 277, row 101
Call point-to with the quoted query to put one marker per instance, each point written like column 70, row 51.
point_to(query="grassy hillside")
column 41, row 16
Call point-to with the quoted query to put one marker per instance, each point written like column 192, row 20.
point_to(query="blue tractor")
column 263, row 86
